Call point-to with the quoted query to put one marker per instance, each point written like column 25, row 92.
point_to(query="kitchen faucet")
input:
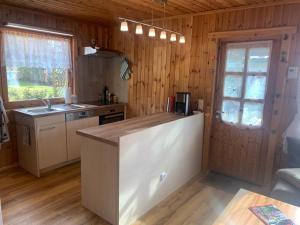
column 47, row 103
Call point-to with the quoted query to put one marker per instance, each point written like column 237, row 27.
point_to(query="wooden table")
column 237, row 212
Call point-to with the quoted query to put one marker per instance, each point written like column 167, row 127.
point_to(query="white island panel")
column 156, row 162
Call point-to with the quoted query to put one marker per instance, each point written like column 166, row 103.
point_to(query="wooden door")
column 243, row 106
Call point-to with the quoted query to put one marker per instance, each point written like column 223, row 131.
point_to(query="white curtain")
column 27, row 49
column 293, row 130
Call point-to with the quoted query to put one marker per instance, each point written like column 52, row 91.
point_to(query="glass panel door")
column 245, row 82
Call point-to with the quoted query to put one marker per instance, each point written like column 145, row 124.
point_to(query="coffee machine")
column 183, row 103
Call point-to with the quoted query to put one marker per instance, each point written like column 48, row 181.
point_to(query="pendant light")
column 163, row 35
column 182, row 39
column 124, row 26
column 173, row 37
column 151, row 30
column 139, row 29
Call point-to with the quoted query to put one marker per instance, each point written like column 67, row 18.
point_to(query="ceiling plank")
column 108, row 11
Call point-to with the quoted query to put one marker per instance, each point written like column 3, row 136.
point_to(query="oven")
column 111, row 118
column 111, row 114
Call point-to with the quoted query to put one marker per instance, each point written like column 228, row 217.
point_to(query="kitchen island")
column 128, row 167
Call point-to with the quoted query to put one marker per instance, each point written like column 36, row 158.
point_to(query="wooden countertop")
column 110, row 133
column 237, row 211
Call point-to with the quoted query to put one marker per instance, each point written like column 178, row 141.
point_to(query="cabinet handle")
column 47, row 128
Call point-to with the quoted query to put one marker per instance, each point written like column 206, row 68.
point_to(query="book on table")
column 271, row 215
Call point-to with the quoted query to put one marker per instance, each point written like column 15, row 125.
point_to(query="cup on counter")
column 74, row 99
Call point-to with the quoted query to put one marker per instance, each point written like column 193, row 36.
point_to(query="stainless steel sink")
column 56, row 108
column 42, row 110
column 69, row 107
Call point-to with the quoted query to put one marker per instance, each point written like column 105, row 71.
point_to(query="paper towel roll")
column 68, row 94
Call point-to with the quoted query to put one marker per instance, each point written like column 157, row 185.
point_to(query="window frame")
column 33, row 102
column 242, row 100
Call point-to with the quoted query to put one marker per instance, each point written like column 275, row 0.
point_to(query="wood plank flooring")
column 55, row 199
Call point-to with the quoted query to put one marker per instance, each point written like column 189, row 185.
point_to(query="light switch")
column 293, row 72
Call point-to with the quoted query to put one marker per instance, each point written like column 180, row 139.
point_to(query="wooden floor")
column 55, row 199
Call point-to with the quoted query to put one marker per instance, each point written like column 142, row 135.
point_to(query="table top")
column 237, row 211
column 110, row 133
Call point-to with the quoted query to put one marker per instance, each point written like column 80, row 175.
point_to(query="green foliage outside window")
column 32, row 83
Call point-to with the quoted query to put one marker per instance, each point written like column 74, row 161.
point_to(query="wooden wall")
column 83, row 31
column 160, row 69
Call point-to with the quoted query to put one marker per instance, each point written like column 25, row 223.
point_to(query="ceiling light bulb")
column 173, row 37
column 124, row 26
column 163, row 35
column 152, row 32
column 182, row 40
column 139, row 29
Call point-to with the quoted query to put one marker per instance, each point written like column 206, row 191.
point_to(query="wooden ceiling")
column 109, row 10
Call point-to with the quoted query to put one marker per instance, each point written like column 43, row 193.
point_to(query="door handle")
column 48, row 128
column 218, row 114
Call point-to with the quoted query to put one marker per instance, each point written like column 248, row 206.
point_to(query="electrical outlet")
column 163, row 176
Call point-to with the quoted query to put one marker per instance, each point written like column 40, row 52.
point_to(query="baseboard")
column 9, row 167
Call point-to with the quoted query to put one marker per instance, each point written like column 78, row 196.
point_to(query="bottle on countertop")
column 106, row 95
column 109, row 98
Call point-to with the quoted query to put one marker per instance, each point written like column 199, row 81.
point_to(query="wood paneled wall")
column 160, row 69
column 83, row 32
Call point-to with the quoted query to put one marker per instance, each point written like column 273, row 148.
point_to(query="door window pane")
column 233, row 86
column 235, row 60
column 255, row 87
column 258, row 60
column 252, row 114
column 230, row 111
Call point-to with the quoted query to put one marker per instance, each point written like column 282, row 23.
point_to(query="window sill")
column 30, row 103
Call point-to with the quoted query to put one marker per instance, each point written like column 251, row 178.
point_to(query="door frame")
column 287, row 36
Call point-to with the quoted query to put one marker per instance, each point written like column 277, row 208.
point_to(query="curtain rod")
column 31, row 28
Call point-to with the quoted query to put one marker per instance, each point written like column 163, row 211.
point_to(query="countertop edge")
column 116, row 143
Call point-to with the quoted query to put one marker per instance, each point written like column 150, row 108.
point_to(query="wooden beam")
column 266, row 32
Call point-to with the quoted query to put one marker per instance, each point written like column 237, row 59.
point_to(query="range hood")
column 101, row 52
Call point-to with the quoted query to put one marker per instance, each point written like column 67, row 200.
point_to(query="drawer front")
column 41, row 121
column 110, row 110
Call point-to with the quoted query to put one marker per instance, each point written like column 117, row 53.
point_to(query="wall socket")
column 163, row 176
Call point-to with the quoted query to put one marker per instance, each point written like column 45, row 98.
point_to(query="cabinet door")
column 73, row 140
column 51, row 144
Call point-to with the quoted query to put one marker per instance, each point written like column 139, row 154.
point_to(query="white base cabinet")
column 49, row 142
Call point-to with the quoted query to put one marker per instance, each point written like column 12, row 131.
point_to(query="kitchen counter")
column 63, row 108
column 130, row 166
column 111, row 133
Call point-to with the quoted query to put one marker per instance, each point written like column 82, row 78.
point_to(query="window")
column 246, row 74
column 36, row 65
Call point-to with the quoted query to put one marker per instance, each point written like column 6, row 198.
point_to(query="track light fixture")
column 152, row 30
